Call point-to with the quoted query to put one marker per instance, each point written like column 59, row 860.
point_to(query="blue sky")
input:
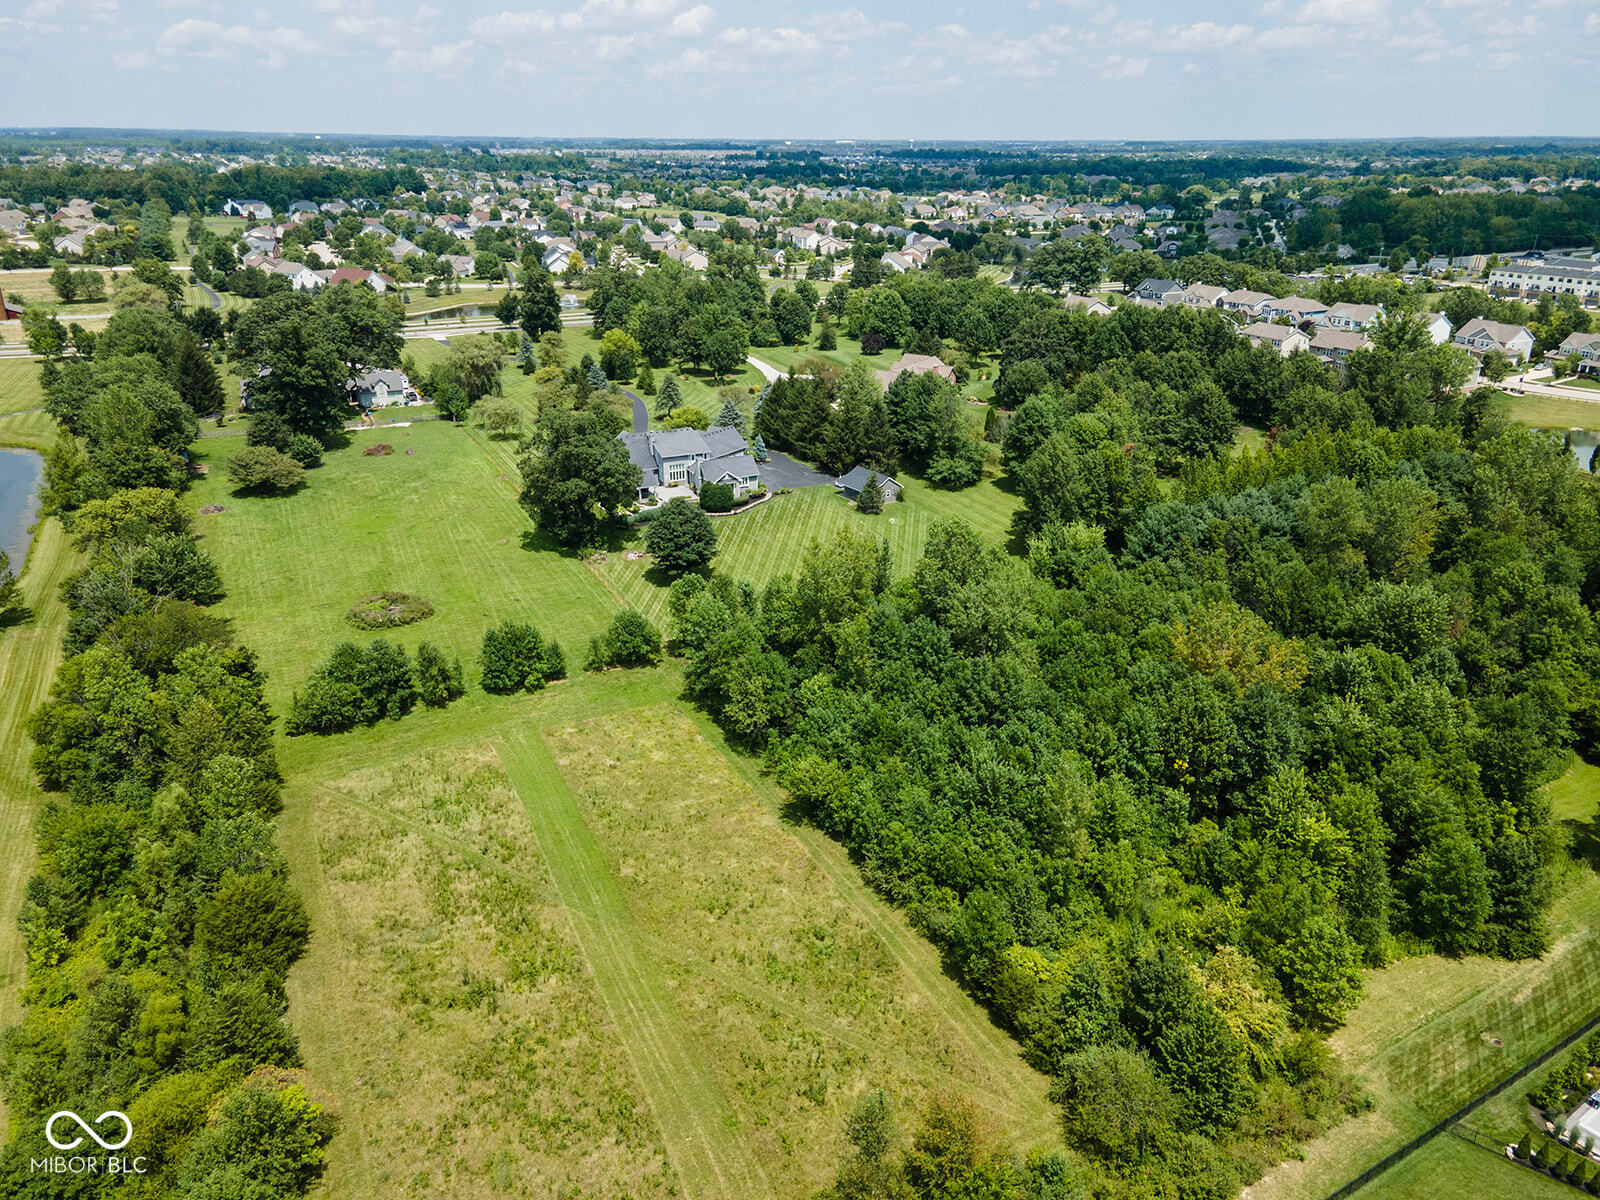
column 1044, row 69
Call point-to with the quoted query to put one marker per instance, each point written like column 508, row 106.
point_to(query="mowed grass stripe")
column 696, row 1122
column 29, row 655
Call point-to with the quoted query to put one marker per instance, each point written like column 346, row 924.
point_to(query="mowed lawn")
column 1451, row 1167
column 437, row 517
column 19, row 385
column 770, row 539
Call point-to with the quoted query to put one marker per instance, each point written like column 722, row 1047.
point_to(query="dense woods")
column 160, row 924
column 1237, row 725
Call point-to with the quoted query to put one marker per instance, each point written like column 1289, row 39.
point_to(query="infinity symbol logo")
column 50, row 1136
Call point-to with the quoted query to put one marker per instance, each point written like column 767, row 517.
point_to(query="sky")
column 937, row 70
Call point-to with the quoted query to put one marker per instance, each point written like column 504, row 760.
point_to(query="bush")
column 631, row 641
column 261, row 468
column 253, row 924
column 304, row 449
column 687, row 416
column 355, row 686
column 515, row 658
column 388, row 610
column 717, row 497
column 267, row 428
column 438, row 679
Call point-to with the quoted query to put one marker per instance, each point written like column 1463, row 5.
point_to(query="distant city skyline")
column 887, row 70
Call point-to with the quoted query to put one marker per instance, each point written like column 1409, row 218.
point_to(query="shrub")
column 687, row 416
column 438, row 679
column 388, row 610
column 870, row 499
column 261, row 468
column 267, row 428
column 717, row 497
column 515, row 658
column 304, row 449
column 631, row 641
column 252, row 924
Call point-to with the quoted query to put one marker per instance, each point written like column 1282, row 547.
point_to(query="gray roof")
column 371, row 379
column 723, row 440
column 739, row 465
column 678, row 443
column 856, row 478
column 639, row 455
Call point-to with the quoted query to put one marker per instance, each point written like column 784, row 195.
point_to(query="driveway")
column 768, row 372
column 781, row 471
column 641, row 414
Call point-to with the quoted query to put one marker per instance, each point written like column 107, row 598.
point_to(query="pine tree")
column 647, row 380
column 597, row 378
column 871, row 498
column 526, row 354
column 827, row 340
column 759, row 450
column 671, row 397
column 1525, row 1147
column 730, row 415
column 196, row 379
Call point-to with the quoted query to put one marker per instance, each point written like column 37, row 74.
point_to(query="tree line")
column 160, row 923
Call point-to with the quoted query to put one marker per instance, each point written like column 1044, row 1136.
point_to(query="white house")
column 1244, row 302
column 1359, row 317
column 1297, row 309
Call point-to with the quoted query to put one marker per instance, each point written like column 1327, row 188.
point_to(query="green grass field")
column 767, row 541
column 33, row 287
column 19, row 385
column 1552, row 412
column 1451, row 1167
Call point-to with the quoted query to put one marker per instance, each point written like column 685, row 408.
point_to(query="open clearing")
column 1451, row 1167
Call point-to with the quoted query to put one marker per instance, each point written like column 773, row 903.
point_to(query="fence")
column 1389, row 1160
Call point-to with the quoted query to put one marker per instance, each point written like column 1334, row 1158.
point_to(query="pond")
column 21, row 473
column 1581, row 442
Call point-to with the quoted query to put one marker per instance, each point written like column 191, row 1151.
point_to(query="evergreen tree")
column 526, row 356
column 871, row 498
column 827, row 339
column 730, row 415
column 647, row 380
column 759, row 450
column 438, row 679
column 671, row 397
column 196, row 379
column 596, row 378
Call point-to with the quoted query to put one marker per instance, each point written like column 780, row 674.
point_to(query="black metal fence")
column 1389, row 1160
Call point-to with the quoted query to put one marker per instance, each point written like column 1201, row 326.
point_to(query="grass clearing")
column 437, row 518
column 1424, row 1041
column 1553, row 412
column 444, row 1001
column 19, row 385
column 800, row 1002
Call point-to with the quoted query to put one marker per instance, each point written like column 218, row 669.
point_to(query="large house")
column 1333, row 346
column 1585, row 345
column 1156, row 291
column 381, row 388
column 1359, row 317
column 669, row 458
column 1297, row 309
column 255, row 210
column 1244, row 302
column 1478, row 337
column 917, row 364
column 1285, row 339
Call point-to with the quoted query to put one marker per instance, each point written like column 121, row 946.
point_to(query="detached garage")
column 852, row 483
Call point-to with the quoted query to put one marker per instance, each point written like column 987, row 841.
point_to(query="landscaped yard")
column 1553, row 412
column 1451, row 1167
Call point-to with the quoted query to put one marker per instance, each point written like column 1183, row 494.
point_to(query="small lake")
column 1581, row 442
column 21, row 473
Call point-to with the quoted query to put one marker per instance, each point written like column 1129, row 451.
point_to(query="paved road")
column 216, row 300
column 641, row 413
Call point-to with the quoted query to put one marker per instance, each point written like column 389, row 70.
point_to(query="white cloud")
column 1591, row 23
column 692, row 22
column 272, row 48
column 441, row 61
column 1342, row 12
